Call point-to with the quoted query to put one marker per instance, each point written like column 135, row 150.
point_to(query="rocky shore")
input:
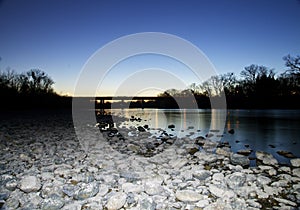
column 43, row 166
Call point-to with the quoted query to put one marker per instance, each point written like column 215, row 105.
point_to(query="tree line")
column 257, row 86
column 32, row 89
column 31, row 83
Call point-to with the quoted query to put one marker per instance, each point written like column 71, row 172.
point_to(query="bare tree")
column 39, row 81
column 293, row 63
column 229, row 82
column 213, row 86
column 250, row 73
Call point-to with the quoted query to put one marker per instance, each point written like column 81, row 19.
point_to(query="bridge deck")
column 128, row 98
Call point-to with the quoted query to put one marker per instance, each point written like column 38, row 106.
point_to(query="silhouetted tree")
column 290, row 79
column 229, row 82
column 39, row 82
column 213, row 86
column 293, row 63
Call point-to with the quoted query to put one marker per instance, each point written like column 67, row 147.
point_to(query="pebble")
column 52, row 203
column 113, row 174
column 188, row 196
column 86, row 191
column 235, row 180
column 295, row 162
column 266, row 158
column 238, row 159
column 116, row 201
column 30, row 184
column 202, row 174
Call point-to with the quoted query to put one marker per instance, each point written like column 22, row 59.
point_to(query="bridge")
column 100, row 101
column 143, row 101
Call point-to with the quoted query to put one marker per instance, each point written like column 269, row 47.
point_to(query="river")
column 266, row 130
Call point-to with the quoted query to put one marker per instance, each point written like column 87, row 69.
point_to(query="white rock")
column 178, row 163
column 286, row 177
column 280, row 183
column 235, row 180
column 296, row 172
column 116, row 201
column 218, row 177
column 202, row 203
column 287, row 202
column 237, row 159
column 265, row 168
column 206, row 157
column 73, row 206
column 220, row 191
column 262, row 180
column 221, row 151
column 285, row 169
column 188, row 196
column 295, row 162
column 219, row 204
column 153, row 188
column 271, row 190
column 261, row 194
column 253, row 203
column 30, row 184
column 272, row 172
column 296, row 187
column 266, row 158
column 130, row 187
column 201, row 174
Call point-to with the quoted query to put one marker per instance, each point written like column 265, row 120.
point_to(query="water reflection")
column 257, row 128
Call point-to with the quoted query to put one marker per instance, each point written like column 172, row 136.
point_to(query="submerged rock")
column 286, row 154
column 231, row 131
column 171, row 126
column 245, row 152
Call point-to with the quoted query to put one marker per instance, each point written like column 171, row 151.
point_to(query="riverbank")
column 43, row 166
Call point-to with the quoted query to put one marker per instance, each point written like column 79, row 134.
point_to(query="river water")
column 266, row 130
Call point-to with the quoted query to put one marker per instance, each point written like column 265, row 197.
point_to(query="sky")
column 59, row 37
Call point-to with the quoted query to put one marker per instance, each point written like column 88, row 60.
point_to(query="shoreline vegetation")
column 258, row 87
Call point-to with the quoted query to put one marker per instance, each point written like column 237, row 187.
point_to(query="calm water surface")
column 257, row 128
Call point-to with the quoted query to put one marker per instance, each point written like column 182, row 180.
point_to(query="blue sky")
column 60, row 36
